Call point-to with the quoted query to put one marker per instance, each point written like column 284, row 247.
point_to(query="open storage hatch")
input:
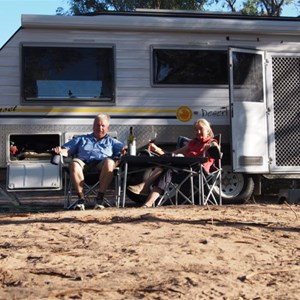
column 28, row 162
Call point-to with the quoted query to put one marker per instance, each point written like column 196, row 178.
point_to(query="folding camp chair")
column 208, row 185
column 179, row 189
column 212, row 181
column 90, row 185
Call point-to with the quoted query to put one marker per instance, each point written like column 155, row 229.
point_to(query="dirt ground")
column 249, row 251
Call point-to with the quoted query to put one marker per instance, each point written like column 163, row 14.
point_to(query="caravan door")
column 248, row 111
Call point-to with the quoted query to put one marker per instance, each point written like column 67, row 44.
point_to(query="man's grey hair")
column 103, row 117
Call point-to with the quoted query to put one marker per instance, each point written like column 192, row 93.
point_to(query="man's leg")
column 77, row 177
column 106, row 174
column 76, row 173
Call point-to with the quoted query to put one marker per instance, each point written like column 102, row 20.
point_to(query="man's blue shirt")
column 88, row 148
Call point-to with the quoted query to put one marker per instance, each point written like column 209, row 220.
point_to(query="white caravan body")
column 250, row 96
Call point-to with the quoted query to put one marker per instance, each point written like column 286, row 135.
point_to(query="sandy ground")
column 186, row 252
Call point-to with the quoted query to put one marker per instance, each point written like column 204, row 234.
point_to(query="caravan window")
column 68, row 74
column 248, row 80
column 189, row 67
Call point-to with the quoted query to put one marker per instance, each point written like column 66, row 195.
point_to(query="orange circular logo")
column 184, row 113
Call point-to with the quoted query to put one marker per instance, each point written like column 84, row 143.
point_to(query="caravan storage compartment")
column 28, row 162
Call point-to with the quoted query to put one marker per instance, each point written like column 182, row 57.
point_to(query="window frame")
column 68, row 101
column 192, row 48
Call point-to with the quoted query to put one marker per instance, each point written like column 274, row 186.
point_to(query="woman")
column 159, row 179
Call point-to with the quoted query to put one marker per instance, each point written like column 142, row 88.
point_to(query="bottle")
column 131, row 142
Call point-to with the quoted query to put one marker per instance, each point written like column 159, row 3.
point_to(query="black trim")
column 190, row 14
column 6, row 116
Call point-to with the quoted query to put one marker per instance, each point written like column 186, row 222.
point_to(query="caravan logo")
column 8, row 109
column 215, row 113
column 184, row 113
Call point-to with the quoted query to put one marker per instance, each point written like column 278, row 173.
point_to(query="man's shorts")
column 92, row 167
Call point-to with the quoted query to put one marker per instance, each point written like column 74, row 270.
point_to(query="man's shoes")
column 79, row 204
column 99, row 203
column 99, row 206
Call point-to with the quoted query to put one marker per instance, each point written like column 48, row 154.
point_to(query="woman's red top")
column 196, row 148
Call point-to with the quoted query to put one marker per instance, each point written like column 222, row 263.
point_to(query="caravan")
column 156, row 71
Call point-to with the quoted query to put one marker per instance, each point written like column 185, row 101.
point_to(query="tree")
column 273, row 7
column 246, row 7
column 256, row 7
column 88, row 6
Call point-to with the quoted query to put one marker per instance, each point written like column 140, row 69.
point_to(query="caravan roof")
column 168, row 21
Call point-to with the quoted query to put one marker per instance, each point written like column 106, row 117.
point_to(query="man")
column 95, row 151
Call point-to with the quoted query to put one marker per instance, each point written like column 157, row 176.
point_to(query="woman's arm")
column 156, row 149
column 181, row 150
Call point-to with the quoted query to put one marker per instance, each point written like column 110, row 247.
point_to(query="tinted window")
column 248, row 77
column 68, row 73
column 190, row 67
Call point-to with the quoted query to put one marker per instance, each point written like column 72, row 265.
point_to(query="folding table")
column 132, row 164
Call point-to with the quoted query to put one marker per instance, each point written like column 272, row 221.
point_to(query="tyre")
column 236, row 187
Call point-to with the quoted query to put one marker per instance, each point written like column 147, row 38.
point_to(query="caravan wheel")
column 236, row 187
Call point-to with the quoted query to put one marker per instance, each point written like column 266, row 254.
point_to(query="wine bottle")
column 131, row 142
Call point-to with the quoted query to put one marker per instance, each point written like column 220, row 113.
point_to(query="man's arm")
column 60, row 150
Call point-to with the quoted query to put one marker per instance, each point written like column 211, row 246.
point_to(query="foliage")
column 256, row 7
column 265, row 7
column 246, row 7
column 88, row 6
column 250, row 8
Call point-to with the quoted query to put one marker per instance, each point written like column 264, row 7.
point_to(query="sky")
column 11, row 11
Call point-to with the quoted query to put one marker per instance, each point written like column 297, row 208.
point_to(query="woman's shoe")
column 146, row 206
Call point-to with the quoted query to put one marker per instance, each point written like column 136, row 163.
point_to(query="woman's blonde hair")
column 205, row 124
